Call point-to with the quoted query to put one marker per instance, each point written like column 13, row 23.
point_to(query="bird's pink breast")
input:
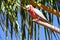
column 32, row 13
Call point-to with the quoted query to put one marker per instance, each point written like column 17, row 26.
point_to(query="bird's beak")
column 26, row 8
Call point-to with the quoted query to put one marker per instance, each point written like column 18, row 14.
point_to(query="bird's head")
column 29, row 7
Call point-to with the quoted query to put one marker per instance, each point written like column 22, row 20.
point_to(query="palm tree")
column 16, row 22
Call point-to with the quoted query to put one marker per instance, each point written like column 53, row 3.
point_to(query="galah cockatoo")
column 35, row 13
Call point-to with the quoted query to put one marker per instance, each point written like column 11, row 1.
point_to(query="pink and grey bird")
column 35, row 13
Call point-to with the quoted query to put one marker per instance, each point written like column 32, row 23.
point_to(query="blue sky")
column 42, row 35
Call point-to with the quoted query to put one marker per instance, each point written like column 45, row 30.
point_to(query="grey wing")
column 40, row 14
